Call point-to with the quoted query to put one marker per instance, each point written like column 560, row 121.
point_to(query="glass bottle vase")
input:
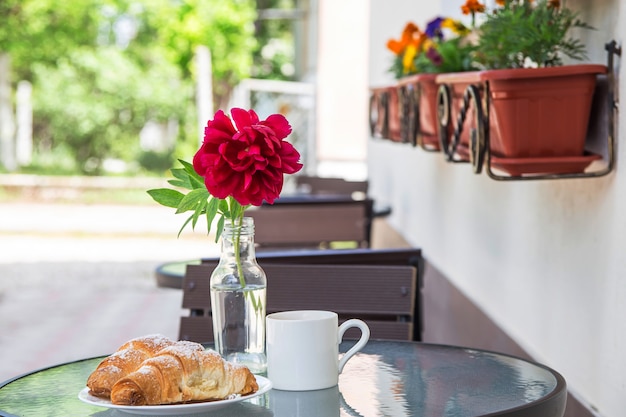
column 238, row 296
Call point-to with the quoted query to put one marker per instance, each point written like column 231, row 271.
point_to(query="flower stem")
column 238, row 226
column 238, row 223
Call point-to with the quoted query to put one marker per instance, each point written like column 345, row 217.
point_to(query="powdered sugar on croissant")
column 126, row 359
column 182, row 373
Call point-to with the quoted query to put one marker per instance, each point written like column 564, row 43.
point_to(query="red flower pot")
column 533, row 112
column 393, row 114
column 424, row 102
column 384, row 113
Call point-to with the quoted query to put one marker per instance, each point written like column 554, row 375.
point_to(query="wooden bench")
column 382, row 287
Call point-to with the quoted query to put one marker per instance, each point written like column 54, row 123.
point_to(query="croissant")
column 125, row 360
column 179, row 374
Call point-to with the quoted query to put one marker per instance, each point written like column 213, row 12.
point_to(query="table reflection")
column 324, row 402
column 442, row 381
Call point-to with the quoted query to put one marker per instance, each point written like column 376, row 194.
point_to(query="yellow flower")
column 408, row 60
column 427, row 44
column 455, row 26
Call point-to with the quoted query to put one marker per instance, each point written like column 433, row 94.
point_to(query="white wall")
column 546, row 260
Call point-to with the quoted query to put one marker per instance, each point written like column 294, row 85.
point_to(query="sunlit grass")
column 76, row 190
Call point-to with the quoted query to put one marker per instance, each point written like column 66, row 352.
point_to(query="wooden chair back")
column 323, row 185
column 313, row 223
column 382, row 296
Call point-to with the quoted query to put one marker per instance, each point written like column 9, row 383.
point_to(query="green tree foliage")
column 275, row 53
column 101, row 115
column 102, row 68
column 42, row 30
column 225, row 27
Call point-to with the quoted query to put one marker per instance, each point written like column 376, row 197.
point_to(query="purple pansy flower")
column 433, row 28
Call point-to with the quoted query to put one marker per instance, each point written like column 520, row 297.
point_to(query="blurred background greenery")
column 103, row 72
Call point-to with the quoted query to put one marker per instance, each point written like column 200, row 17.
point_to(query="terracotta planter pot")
column 384, row 113
column 377, row 112
column 423, row 122
column 533, row 112
column 393, row 114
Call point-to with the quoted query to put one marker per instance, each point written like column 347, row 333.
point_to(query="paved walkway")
column 77, row 280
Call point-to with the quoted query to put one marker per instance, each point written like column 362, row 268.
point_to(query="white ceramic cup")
column 303, row 349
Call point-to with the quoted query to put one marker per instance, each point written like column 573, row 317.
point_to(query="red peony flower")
column 246, row 162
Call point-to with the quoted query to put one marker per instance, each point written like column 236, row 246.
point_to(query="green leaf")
column 223, row 207
column 184, row 225
column 181, row 179
column 166, row 197
column 196, row 214
column 220, row 227
column 181, row 184
column 195, row 180
column 213, row 206
column 211, row 212
column 192, row 200
column 180, row 173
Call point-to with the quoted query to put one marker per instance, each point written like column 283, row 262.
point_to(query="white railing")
column 294, row 100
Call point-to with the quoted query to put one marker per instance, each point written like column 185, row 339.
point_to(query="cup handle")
column 365, row 335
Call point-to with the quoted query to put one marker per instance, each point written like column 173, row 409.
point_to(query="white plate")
column 174, row 409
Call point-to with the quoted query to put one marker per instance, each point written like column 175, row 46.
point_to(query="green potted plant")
column 418, row 57
column 538, row 108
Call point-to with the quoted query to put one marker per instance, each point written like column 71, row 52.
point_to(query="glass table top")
column 385, row 379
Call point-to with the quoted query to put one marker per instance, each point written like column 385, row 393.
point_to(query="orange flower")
column 554, row 4
column 472, row 6
column 409, row 35
column 500, row 2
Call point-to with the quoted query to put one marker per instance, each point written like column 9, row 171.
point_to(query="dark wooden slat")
column 359, row 256
column 366, row 289
column 200, row 329
column 196, row 329
column 196, row 287
column 345, row 289
column 388, row 330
